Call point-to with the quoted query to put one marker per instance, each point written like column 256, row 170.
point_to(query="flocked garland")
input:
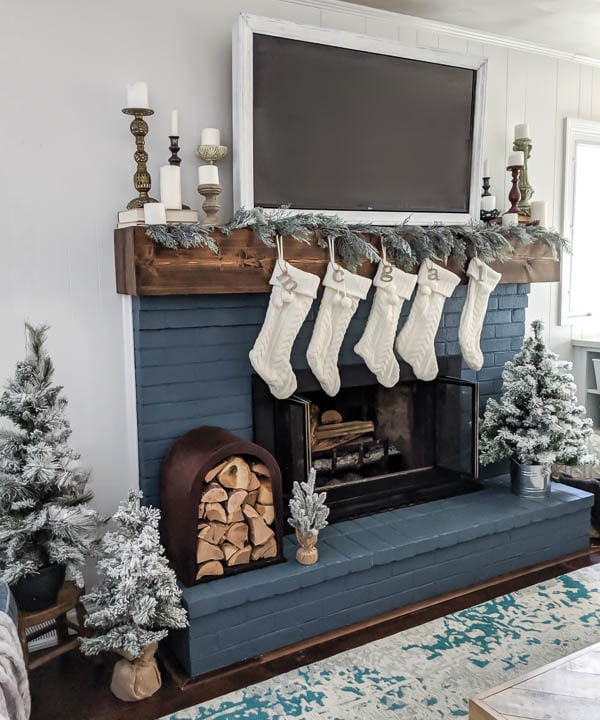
column 407, row 245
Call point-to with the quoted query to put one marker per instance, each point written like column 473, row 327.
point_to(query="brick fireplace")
column 192, row 368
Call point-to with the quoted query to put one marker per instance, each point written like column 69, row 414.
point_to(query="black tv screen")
column 347, row 130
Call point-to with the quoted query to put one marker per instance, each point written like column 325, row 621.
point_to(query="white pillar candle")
column 538, row 211
column 210, row 136
column 208, row 175
column 509, row 219
column 488, row 202
column 170, row 187
column 174, row 122
column 486, row 168
column 137, row 95
column 516, row 158
column 154, row 214
column 522, row 131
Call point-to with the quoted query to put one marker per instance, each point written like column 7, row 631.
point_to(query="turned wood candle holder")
column 210, row 205
column 515, row 194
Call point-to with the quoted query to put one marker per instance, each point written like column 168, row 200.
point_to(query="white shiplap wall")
column 66, row 165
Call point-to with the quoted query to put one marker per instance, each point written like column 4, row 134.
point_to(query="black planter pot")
column 38, row 592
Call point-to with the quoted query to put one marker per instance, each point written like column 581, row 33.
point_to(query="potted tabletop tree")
column 537, row 421
column 308, row 515
column 46, row 523
column 136, row 601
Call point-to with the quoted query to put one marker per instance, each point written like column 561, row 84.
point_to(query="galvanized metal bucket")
column 531, row 481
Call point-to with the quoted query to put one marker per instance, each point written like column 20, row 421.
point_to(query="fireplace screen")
column 374, row 448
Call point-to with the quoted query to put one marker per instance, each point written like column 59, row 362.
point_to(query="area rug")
column 431, row 670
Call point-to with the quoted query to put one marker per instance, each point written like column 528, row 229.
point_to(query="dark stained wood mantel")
column 244, row 265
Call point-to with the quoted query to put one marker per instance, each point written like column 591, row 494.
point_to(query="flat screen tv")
column 367, row 128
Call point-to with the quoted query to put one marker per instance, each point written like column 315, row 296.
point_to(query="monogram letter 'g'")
column 432, row 274
column 286, row 282
column 386, row 273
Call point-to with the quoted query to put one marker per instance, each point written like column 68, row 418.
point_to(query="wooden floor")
column 567, row 689
column 77, row 688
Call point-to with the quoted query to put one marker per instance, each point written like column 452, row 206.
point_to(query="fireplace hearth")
column 374, row 448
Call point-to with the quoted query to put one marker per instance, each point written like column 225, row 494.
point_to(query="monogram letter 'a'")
column 286, row 282
column 432, row 274
column 386, row 273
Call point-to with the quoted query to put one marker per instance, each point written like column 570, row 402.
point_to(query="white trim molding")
column 243, row 131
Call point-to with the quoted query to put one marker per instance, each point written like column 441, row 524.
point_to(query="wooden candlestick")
column 211, row 205
column 515, row 194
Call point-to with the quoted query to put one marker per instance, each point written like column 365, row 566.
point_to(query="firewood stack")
column 236, row 517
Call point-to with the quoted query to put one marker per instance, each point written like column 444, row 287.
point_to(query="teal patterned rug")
column 431, row 670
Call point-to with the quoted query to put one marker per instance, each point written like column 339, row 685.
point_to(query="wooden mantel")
column 244, row 265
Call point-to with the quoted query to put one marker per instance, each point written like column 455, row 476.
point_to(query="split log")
column 207, row 551
column 228, row 549
column 213, row 533
column 212, row 474
column 234, row 505
column 267, row 512
column 216, row 512
column 261, row 470
column 266, row 550
column 331, row 416
column 214, row 493
column 265, row 493
column 200, row 511
column 259, row 531
column 235, row 474
column 237, row 534
column 201, row 526
column 212, row 567
column 254, row 482
column 358, row 427
column 249, row 511
column 252, row 498
column 241, row 556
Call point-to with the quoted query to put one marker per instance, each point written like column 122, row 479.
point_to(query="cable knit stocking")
column 482, row 281
column 343, row 291
column 376, row 346
column 415, row 342
column 292, row 295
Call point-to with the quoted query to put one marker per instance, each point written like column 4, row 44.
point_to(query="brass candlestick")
column 211, row 153
column 210, row 205
column 515, row 194
column 141, row 178
column 524, row 145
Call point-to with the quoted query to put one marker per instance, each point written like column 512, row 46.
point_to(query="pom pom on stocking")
column 482, row 281
column 376, row 346
column 416, row 341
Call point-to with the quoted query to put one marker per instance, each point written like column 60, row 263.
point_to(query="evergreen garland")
column 407, row 245
column 45, row 516
column 537, row 420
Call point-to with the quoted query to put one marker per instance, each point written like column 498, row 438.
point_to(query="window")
column 580, row 296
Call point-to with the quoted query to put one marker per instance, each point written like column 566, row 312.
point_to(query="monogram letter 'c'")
column 286, row 282
column 386, row 273
column 432, row 274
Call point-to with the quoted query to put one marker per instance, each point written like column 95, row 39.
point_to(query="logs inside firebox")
column 236, row 516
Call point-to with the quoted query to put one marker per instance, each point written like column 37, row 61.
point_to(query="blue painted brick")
column 524, row 288
column 497, row 316
column 492, row 303
column 516, row 343
column 511, row 329
column 495, row 344
column 503, row 357
column 513, row 301
column 518, row 315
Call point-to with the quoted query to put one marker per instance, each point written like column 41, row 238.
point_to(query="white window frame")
column 243, row 108
column 577, row 132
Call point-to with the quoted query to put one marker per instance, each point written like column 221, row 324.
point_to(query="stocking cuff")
column 437, row 279
column 306, row 283
column 484, row 275
column 399, row 282
column 337, row 278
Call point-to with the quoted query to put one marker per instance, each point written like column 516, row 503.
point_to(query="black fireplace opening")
column 374, row 448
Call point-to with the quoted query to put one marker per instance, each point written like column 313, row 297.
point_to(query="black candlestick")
column 486, row 187
column 174, row 148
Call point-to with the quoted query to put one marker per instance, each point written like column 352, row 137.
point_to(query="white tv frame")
column 243, row 151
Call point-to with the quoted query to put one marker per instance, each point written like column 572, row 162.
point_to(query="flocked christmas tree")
column 45, row 517
column 137, row 599
column 537, row 420
column 307, row 508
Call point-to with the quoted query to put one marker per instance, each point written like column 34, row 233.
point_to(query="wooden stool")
column 69, row 598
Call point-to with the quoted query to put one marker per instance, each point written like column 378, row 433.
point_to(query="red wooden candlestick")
column 515, row 194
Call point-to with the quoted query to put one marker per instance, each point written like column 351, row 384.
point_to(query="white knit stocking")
column 343, row 291
column 482, row 281
column 415, row 342
column 292, row 295
column 376, row 346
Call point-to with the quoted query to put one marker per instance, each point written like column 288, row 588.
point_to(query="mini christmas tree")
column 537, row 420
column 307, row 508
column 137, row 599
column 45, row 517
